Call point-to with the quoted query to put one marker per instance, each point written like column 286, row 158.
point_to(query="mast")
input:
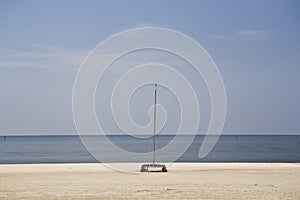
column 154, row 119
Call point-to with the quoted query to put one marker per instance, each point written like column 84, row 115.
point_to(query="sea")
column 229, row 148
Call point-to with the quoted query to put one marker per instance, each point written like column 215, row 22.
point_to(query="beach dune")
column 183, row 181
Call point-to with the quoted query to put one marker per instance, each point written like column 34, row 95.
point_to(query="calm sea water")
column 69, row 149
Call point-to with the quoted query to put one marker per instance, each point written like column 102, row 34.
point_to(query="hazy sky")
column 255, row 44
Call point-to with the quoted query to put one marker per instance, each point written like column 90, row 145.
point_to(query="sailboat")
column 153, row 167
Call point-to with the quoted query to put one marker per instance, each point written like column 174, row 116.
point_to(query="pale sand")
column 183, row 181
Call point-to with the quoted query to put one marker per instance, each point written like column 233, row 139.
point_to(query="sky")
column 255, row 44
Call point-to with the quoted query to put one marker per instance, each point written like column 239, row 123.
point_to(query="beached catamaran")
column 153, row 167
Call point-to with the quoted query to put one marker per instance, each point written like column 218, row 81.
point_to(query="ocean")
column 229, row 148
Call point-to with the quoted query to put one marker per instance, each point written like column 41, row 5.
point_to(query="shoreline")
column 177, row 166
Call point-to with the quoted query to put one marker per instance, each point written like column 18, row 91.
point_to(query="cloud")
column 247, row 34
column 254, row 34
column 39, row 56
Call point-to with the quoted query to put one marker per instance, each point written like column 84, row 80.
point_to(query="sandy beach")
column 183, row 181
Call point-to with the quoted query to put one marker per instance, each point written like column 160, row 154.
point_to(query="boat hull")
column 153, row 168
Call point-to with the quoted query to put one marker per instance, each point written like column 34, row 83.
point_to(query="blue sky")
column 255, row 44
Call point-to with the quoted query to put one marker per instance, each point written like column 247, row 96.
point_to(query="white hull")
column 153, row 168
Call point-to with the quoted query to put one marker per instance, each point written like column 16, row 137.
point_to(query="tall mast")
column 154, row 123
